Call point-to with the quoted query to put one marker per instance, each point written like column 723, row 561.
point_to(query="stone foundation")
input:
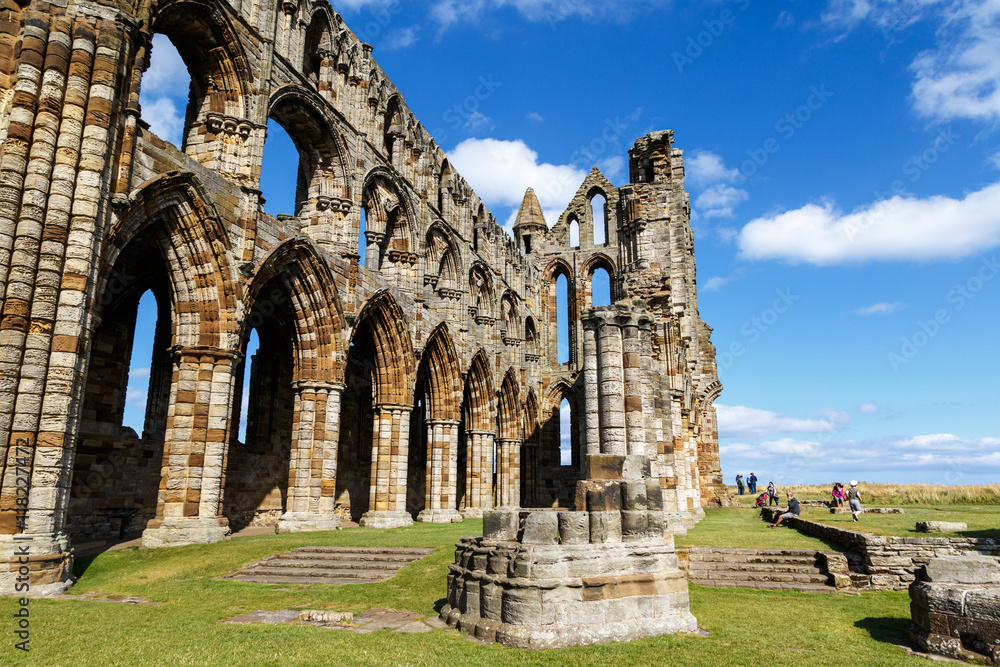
column 382, row 519
column 292, row 522
column 180, row 532
column 956, row 609
column 35, row 565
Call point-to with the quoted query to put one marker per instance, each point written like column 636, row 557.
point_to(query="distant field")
column 743, row 529
column 894, row 495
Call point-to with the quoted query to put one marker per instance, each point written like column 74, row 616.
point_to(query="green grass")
column 747, row 627
column 982, row 521
column 743, row 529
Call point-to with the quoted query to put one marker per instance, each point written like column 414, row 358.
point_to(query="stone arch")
column 442, row 261
column 531, row 348
column 509, row 409
column 555, row 482
column 529, row 452
column 394, row 131
column 476, row 438
column 560, row 267
column 510, row 424
column 318, row 45
column 318, row 317
column 434, row 429
column 382, row 318
column 481, row 294
column 218, row 113
column 323, row 185
column 598, row 191
column 510, row 320
column 596, row 261
column 391, row 226
column 177, row 213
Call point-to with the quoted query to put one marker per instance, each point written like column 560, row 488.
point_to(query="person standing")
column 739, row 484
column 772, row 494
column 854, row 499
column 752, row 482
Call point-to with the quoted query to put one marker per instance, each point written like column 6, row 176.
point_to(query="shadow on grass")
column 886, row 630
column 439, row 605
column 81, row 563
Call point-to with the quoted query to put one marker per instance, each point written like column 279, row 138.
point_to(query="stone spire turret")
column 530, row 221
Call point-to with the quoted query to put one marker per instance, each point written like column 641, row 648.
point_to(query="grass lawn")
column 982, row 521
column 747, row 627
column 743, row 528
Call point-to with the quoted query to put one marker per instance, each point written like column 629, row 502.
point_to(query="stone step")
column 738, row 551
column 313, row 573
column 752, row 558
column 387, row 559
column 768, row 586
column 783, row 577
column 755, row 567
column 378, row 551
column 284, row 579
column 335, row 563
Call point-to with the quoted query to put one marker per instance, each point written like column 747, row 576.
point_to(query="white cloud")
column 785, row 20
column 164, row 119
column 400, row 39
column 868, row 409
column 478, row 122
column 961, row 77
column 881, row 308
column 501, row 172
column 766, row 451
column 720, row 200
column 716, row 283
column 613, row 168
column 743, row 423
column 536, row 117
column 136, row 397
column 449, row 12
column 897, row 229
column 705, row 168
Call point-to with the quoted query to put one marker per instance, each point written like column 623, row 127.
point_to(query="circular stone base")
column 182, row 532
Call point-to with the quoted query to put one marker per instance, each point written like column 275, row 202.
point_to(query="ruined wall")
column 449, row 314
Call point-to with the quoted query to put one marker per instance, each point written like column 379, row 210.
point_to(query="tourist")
column 772, row 494
column 854, row 498
column 793, row 510
column 739, row 483
column 838, row 495
column 752, row 483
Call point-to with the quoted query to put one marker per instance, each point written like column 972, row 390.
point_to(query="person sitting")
column 793, row 510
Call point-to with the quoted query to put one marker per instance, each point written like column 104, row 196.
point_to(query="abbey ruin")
column 423, row 385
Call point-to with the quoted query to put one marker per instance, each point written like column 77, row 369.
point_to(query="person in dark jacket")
column 752, row 483
column 739, row 483
column 793, row 510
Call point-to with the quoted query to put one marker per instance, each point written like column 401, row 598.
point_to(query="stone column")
column 194, row 454
column 650, row 388
column 442, row 472
column 390, row 452
column 592, row 428
column 509, row 474
column 479, row 476
column 373, row 249
column 312, row 469
column 611, row 384
column 635, row 428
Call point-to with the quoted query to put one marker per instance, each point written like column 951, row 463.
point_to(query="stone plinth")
column 941, row 526
column 43, row 562
column 385, row 519
column 955, row 608
column 551, row 579
column 180, row 532
column 303, row 522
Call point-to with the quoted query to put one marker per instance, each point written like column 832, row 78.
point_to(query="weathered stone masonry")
column 424, row 385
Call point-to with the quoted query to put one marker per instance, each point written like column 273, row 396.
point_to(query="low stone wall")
column 888, row 563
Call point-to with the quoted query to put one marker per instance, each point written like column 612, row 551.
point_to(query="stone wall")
column 889, row 563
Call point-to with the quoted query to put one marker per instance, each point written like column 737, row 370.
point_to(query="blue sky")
column 843, row 159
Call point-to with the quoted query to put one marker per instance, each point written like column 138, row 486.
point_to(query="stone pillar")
column 312, row 469
column 194, row 454
column 592, row 428
column 650, row 386
column 635, row 427
column 390, row 452
column 442, row 472
column 373, row 249
column 509, row 474
column 611, row 384
column 479, row 475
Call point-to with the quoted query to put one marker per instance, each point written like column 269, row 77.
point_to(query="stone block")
column 634, row 525
column 604, row 467
column 636, row 467
column 605, row 527
column 574, row 527
column 541, row 528
column 603, row 496
column 941, row 526
column 634, row 495
column 963, row 570
column 500, row 525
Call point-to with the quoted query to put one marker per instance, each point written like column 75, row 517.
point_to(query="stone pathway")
column 368, row 621
column 330, row 565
